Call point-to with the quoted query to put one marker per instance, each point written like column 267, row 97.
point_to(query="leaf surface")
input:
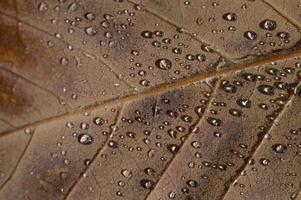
column 149, row 99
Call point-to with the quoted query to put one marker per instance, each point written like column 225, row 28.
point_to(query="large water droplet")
column 163, row 64
column 268, row 24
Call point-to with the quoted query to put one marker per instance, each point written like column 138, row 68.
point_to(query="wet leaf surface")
column 150, row 99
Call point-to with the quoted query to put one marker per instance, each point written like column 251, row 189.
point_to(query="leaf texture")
column 150, row 99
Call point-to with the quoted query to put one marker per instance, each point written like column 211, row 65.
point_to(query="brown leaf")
column 150, row 99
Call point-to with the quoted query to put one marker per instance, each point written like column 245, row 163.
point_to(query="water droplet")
column 173, row 148
column 173, row 114
column 235, row 112
column 177, row 51
column 172, row 133
column 187, row 118
column 43, row 7
column 144, row 83
column 268, row 24
column 192, row 183
column 126, row 173
column 85, row 139
column 196, row 144
column 230, row 16
column 64, row 61
column 90, row 16
column 172, row 195
column 201, row 57
column 251, row 35
column 84, row 125
column 297, row 91
column 147, row 184
column 264, row 162
column 149, row 171
column 283, row 35
column 163, row 64
column 113, row 144
column 91, row 31
column 244, row 103
column 214, row 121
column 266, row 89
column 279, row 148
column 98, row 121
column 228, row 87
column 69, row 125
column 147, row 34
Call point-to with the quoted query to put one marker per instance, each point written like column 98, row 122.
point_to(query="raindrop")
column 108, row 16
column 177, row 50
column 268, row 24
column 163, row 64
column 249, row 77
column 85, row 139
column 131, row 135
column 201, row 57
column 147, row 184
column 230, row 16
column 228, row 87
column 145, row 83
column 283, row 35
column 113, row 144
column 64, row 61
column 149, row 171
column 214, row 121
column 251, row 35
column 297, row 91
column 266, row 89
column 90, row 16
column 192, row 183
column 69, row 125
column 147, row 34
column 186, row 118
column 84, row 125
column 196, row 144
column 244, row 103
column 172, row 114
column 235, row 112
column 126, row 173
column 98, row 121
column 279, row 148
column 43, row 7
column 91, row 31
column 264, row 162
column 173, row 148
column 172, row 133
